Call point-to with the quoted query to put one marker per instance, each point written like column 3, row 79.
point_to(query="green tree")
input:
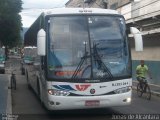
column 10, row 22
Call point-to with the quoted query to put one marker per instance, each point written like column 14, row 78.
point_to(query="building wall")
column 114, row 4
column 151, row 48
column 80, row 3
column 74, row 3
column 136, row 11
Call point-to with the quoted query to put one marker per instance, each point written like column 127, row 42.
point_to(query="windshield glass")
column 2, row 51
column 87, row 47
column 30, row 53
column 108, row 40
column 2, row 54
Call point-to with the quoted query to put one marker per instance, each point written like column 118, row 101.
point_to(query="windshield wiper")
column 78, row 69
column 98, row 59
column 101, row 64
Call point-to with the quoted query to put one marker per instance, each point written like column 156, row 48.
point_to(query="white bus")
column 85, row 59
column 29, row 55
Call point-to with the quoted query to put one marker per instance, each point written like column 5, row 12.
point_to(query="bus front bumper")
column 87, row 102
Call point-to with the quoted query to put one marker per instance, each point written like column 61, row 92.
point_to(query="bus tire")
column 39, row 92
column 28, row 84
column 3, row 71
column 38, row 87
column 23, row 71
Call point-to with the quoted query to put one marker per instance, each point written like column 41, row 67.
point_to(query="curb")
column 152, row 92
column 155, row 93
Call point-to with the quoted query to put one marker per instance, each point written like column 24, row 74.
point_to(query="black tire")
column 139, row 90
column 39, row 93
column 14, row 83
column 23, row 71
column 148, row 92
column 3, row 72
column 28, row 84
column 11, row 79
column 38, row 88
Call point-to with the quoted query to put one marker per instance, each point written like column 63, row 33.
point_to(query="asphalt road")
column 27, row 106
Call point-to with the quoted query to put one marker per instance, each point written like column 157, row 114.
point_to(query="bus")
column 29, row 54
column 84, row 59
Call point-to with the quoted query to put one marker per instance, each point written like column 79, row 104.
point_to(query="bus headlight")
column 58, row 92
column 123, row 90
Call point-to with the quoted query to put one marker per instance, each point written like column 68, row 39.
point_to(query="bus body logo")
column 92, row 91
column 82, row 87
column 70, row 88
column 64, row 87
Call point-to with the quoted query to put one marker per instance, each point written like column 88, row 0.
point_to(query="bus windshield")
column 30, row 53
column 2, row 51
column 88, row 47
column 2, row 54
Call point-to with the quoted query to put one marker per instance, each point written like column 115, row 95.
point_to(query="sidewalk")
column 155, row 89
column 5, row 95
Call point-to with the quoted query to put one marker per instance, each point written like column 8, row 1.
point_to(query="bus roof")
column 30, row 47
column 57, row 11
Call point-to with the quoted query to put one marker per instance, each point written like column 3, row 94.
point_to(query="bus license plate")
column 92, row 103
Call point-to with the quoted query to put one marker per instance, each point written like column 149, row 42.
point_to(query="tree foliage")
column 10, row 22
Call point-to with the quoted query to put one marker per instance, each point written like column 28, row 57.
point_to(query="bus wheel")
column 23, row 71
column 28, row 84
column 39, row 92
column 38, row 87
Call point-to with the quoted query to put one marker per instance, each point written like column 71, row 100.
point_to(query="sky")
column 33, row 8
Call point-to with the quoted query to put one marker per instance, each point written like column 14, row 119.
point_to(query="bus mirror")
column 138, row 38
column 41, row 42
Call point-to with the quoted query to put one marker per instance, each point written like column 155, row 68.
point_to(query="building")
column 111, row 4
column 143, row 14
column 91, row 3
